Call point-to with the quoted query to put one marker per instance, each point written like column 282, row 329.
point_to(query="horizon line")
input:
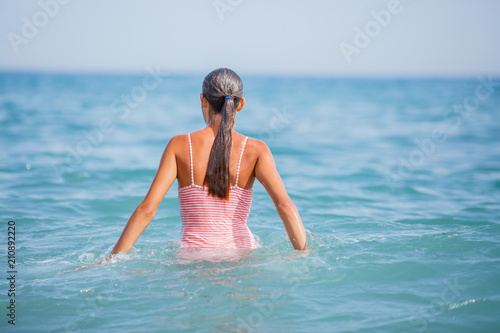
column 305, row 75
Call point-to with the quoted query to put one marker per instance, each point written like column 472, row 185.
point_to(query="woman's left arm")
column 144, row 213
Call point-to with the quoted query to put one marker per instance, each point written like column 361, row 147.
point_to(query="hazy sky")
column 314, row 37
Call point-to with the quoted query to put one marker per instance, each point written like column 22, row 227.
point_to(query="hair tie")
column 228, row 97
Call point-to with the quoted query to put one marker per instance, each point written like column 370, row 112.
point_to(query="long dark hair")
column 218, row 85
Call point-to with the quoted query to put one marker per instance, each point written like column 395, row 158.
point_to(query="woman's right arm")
column 142, row 216
column 268, row 176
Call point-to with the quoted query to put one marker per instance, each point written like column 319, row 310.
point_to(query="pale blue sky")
column 421, row 38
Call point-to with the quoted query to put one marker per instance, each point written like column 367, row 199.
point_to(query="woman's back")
column 209, row 221
column 201, row 142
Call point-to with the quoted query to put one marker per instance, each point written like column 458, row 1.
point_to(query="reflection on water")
column 380, row 257
column 188, row 255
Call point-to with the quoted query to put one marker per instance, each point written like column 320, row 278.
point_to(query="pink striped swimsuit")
column 211, row 222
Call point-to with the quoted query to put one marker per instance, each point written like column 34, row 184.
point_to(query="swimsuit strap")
column 239, row 162
column 191, row 160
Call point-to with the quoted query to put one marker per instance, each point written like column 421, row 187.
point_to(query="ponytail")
column 217, row 178
column 223, row 89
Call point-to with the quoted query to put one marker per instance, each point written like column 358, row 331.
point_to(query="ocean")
column 397, row 182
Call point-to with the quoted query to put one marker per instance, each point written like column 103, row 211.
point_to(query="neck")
column 214, row 123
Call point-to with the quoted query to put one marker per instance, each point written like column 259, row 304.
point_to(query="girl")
column 215, row 168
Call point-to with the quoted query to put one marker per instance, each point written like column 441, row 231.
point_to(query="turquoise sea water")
column 397, row 183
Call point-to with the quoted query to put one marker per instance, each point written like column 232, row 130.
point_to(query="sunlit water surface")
column 399, row 193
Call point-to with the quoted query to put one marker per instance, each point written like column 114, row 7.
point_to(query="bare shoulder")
column 257, row 147
column 178, row 139
column 176, row 143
